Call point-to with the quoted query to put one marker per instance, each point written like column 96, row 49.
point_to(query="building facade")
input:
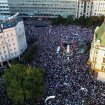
column 84, row 8
column 97, row 53
column 12, row 39
column 4, row 9
column 53, row 8
column 98, row 8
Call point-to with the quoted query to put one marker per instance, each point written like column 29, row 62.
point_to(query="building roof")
column 100, row 34
column 10, row 23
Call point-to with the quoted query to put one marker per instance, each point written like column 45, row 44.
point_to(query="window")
column 103, row 60
column 4, row 51
column 95, row 59
column 7, row 35
column 2, row 57
column 11, row 34
column 96, row 52
column 3, row 47
column 102, row 68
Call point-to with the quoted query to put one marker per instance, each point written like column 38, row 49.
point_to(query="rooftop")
column 100, row 34
column 10, row 23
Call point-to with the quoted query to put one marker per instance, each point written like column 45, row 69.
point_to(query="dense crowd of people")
column 70, row 81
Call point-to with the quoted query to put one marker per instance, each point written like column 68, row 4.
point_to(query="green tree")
column 88, row 22
column 101, row 19
column 24, row 83
column 30, row 53
column 60, row 19
column 76, row 21
column 69, row 20
column 54, row 21
column 57, row 21
column 82, row 20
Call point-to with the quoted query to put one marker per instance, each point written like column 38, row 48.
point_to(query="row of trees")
column 61, row 20
column 24, row 84
column 84, row 21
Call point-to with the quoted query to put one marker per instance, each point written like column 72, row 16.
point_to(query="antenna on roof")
column 16, row 14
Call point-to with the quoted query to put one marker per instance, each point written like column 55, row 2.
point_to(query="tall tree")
column 24, row 83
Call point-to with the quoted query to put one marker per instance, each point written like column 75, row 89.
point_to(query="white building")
column 4, row 9
column 53, row 8
column 98, row 8
column 97, row 53
column 12, row 39
column 47, row 8
column 84, row 8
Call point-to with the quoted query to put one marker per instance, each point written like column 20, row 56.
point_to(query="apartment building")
column 12, row 38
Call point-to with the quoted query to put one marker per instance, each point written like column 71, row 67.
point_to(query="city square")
column 52, row 52
column 63, row 78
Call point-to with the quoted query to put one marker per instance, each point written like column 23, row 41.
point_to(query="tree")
column 82, row 20
column 69, row 19
column 30, row 53
column 101, row 19
column 59, row 19
column 88, row 22
column 24, row 83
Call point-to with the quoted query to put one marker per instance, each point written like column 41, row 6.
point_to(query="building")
column 84, row 8
column 89, row 8
column 43, row 8
column 53, row 8
column 98, row 8
column 97, row 53
column 12, row 38
column 4, row 9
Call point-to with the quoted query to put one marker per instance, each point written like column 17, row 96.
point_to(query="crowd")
column 70, row 81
